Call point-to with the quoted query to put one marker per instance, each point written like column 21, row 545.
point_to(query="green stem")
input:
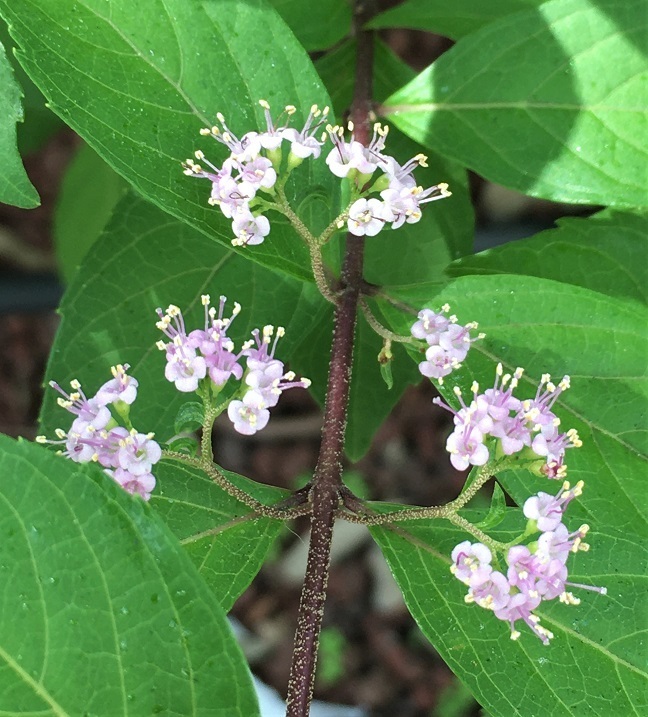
column 380, row 329
column 269, row 511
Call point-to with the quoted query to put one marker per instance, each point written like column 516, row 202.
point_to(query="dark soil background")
column 373, row 654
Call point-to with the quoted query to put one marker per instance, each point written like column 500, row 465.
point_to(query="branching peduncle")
column 327, row 479
column 380, row 329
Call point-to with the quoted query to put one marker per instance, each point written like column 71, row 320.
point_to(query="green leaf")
column 40, row 122
column 15, row 187
column 89, row 192
column 604, row 632
column 146, row 259
column 316, row 25
column 227, row 543
column 451, row 21
column 190, row 417
column 497, row 510
column 105, row 615
column 139, row 82
column 564, row 123
column 607, row 253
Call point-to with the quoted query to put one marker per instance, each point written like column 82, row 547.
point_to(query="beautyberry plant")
column 322, row 160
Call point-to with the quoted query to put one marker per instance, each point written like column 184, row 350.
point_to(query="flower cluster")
column 514, row 423
column 96, row 435
column 535, row 572
column 252, row 167
column 447, row 341
column 255, row 160
column 401, row 197
column 209, row 353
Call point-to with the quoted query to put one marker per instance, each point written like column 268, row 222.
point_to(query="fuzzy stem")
column 327, row 479
column 380, row 329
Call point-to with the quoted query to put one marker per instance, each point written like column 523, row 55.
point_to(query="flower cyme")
column 95, row 436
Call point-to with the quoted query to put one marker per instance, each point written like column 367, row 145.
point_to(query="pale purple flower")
column 491, row 594
column 366, row 217
column 258, row 173
column 249, row 230
column 340, row 158
column 513, row 434
column 471, row 562
column 107, row 445
column 500, row 398
column 80, row 446
column 438, row 363
column 431, row 324
column 303, row 144
column 558, row 543
column 89, row 411
column 231, row 196
column 244, row 149
column 465, row 446
column 121, row 387
column 141, row 485
column 249, row 415
column 401, row 205
column 401, row 175
column 456, row 339
column 520, row 607
column 552, row 444
column 273, row 136
column 138, row 452
column 547, row 510
column 185, row 370
column 538, row 410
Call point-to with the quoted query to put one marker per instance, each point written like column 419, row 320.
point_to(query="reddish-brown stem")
column 327, row 479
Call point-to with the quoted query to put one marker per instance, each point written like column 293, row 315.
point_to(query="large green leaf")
column 594, row 665
column 226, row 542
column 546, row 102
column 89, row 192
column 102, row 612
column 607, row 253
column 40, row 123
column 138, row 82
column 15, row 187
column 316, row 25
column 147, row 259
column 454, row 21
